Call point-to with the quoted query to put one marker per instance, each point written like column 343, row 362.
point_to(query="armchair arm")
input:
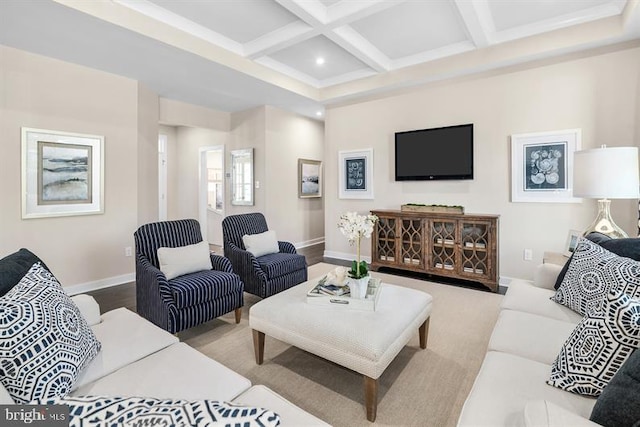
column 246, row 266
column 154, row 300
column 221, row 263
column 286, row 247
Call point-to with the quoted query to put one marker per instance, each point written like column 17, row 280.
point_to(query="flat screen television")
column 432, row 154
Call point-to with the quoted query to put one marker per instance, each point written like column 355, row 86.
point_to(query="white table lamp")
column 606, row 173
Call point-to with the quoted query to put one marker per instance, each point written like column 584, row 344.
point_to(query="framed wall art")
column 309, row 178
column 356, row 174
column 62, row 173
column 542, row 166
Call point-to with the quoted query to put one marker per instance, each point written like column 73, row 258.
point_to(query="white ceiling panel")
column 328, row 3
column 239, row 20
column 413, row 27
column 302, row 57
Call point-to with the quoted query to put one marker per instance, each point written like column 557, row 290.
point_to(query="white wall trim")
column 345, row 255
column 307, row 243
column 100, row 284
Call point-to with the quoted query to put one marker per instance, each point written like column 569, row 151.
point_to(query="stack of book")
column 332, row 290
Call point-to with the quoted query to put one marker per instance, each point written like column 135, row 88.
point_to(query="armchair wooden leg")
column 238, row 313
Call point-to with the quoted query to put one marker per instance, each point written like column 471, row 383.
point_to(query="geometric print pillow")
column 598, row 346
column 46, row 342
column 140, row 411
column 593, row 272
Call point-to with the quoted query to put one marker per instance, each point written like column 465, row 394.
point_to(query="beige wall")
column 172, row 170
column 290, row 137
column 147, row 155
column 39, row 92
column 598, row 94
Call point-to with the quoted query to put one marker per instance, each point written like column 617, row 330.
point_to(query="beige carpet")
column 419, row 388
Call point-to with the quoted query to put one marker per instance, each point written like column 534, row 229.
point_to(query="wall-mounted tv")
column 438, row 153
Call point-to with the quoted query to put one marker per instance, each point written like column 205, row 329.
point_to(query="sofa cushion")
column 175, row 262
column 523, row 296
column 628, row 247
column 46, row 341
column 598, row 346
column 504, row 386
column 203, row 286
column 290, row 414
column 529, row 335
column 592, row 273
column 175, row 372
column 120, row 349
column 542, row 413
column 276, row 265
column 13, row 267
column 261, row 243
column 138, row 411
column 619, row 403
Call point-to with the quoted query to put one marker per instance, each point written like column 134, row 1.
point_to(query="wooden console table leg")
column 371, row 397
column 258, row 346
column 423, row 332
column 238, row 313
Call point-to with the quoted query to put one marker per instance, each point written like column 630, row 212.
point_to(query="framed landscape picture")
column 309, row 178
column 62, row 173
column 542, row 166
column 356, row 174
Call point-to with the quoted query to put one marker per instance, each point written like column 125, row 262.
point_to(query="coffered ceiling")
column 305, row 54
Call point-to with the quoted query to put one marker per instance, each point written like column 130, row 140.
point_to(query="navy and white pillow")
column 592, row 273
column 140, row 411
column 598, row 346
column 46, row 342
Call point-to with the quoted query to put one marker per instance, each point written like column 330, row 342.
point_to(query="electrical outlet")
column 527, row 255
column 128, row 251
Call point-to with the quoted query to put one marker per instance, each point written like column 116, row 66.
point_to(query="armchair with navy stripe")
column 265, row 275
column 187, row 300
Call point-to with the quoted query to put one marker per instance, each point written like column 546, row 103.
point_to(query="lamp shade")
column 606, row 173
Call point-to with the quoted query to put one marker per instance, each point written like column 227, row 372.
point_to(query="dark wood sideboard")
column 461, row 246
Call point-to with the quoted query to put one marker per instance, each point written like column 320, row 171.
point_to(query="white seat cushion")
column 540, row 413
column 529, row 335
column 503, row 387
column 176, row 372
column 125, row 337
column 290, row 414
column 523, row 296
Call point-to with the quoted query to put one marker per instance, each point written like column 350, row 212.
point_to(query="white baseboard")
column 307, row 243
column 100, row 284
column 345, row 255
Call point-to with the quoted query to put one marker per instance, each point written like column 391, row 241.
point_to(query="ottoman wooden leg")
column 258, row 346
column 238, row 313
column 371, row 397
column 423, row 332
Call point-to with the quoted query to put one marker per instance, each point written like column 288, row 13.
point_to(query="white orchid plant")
column 355, row 227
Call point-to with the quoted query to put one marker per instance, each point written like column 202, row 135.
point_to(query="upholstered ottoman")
column 363, row 341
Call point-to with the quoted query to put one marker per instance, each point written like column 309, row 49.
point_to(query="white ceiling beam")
column 477, row 19
column 281, row 38
column 351, row 41
column 313, row 12
column 631, row 18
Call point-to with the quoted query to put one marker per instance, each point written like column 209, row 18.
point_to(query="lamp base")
column 604, row 224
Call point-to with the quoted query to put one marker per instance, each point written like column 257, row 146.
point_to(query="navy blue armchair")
column 265, row 275
column 188, row 300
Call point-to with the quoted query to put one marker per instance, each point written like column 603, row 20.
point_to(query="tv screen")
column 438, row 153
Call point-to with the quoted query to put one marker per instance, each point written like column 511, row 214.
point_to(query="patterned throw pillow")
column 139, row 411
column 592, row 273
column 45, row 340
column 598, row 346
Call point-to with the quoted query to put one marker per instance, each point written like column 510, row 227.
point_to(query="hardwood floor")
column 125, row 295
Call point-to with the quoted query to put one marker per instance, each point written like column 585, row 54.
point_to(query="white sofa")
column 140, row 359
column 510, row 389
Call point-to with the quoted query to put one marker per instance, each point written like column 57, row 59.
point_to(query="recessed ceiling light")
column 319, row 60
column 319, row 113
